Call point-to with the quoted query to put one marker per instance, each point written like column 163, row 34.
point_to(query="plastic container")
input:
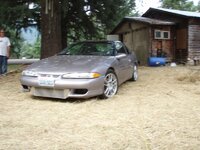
column 156, row 61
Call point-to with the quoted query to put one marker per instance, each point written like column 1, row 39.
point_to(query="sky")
column 143, row 5
column 30, row 34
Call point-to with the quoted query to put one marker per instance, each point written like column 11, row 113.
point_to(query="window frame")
column 162, row 34
column 122, row 46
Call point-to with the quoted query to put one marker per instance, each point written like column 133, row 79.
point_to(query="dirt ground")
column 161, row 111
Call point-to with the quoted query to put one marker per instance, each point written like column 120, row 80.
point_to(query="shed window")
column 166, row 35
column 159, row 34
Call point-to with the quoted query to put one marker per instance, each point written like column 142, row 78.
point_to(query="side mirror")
column 120, row 55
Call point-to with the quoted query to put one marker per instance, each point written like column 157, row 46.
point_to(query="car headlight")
column 81, row 75
column 29, row 73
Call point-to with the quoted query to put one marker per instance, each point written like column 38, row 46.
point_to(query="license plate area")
column 46, row 81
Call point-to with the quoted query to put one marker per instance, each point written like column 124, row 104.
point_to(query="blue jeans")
column 3, row 64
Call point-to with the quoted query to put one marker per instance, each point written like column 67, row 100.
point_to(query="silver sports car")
column 83, row 70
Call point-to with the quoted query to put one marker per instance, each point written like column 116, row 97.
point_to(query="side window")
column 127, row 50
column 120, row 48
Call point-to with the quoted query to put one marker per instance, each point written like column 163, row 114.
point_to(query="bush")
column 31, row 51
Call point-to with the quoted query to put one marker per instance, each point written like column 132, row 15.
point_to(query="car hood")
column 70, row 63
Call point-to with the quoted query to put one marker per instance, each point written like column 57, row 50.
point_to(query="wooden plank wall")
column 135, row 36
column 194, row 41
column 181, row 52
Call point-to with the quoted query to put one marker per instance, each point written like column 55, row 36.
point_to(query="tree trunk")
column 51, row 42
column 64, row 32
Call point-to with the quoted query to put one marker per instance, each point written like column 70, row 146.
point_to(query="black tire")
column 110, row 85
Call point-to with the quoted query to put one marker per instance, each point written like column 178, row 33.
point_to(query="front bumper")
column 63, row 88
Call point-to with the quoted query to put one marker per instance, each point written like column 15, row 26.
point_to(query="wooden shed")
column 173, row 34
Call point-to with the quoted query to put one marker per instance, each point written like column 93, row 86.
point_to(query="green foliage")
column 198, row 7
column 110, row 12
column 81, row 20
column 16, row 14
column 31, row 51
column 91, row 19
column 179, row 5
column 20, row 48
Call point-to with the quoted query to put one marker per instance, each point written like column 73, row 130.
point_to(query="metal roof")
column 176, row 12
column 149, row 21
column 145, row 20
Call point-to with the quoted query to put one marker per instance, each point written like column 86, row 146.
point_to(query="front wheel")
column 110, row 85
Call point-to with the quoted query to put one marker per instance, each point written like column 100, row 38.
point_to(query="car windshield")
column 89, row 48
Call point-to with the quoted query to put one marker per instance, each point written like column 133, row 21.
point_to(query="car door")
column 125, row 63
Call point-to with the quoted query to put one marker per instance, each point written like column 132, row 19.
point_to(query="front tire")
column 110, row 85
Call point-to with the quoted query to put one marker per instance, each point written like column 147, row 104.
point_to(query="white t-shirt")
column 4, row 43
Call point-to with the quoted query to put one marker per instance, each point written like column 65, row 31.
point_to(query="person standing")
column 4, row 51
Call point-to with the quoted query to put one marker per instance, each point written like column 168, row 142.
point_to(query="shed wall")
column 194, row 41
column 141, row 41
column 187, row 35
column 181, row 52
column 136, row 37
column 165, row 45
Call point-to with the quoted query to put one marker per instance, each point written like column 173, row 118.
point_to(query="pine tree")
column 179, row 5
column 65, row 21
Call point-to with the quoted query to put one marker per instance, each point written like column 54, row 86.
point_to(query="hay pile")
column 159, row 111
column 192, row 76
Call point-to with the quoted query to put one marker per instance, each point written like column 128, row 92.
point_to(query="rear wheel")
column 110, row 85
column 135, row 73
